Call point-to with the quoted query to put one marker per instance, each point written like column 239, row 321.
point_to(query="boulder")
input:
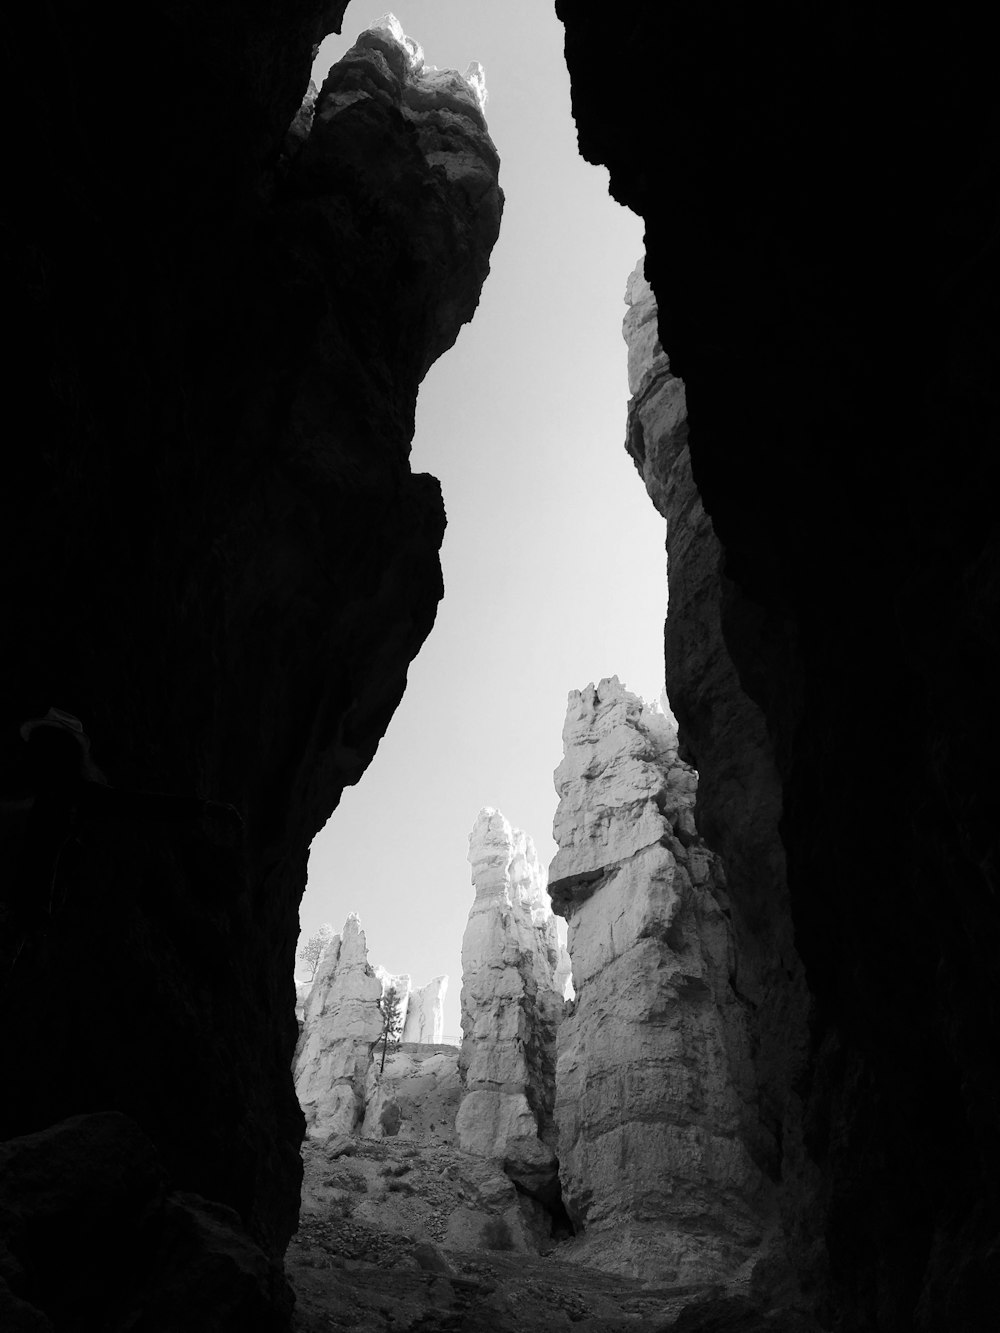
column 653, row 1059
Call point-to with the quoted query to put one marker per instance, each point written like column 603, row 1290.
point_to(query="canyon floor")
column 409, row 1233
column 402, row 1237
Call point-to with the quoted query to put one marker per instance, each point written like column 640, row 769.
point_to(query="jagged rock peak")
column 341, row 1024
column 505, row 865
column 614, row 738
column 390, row 54
column 425, row 198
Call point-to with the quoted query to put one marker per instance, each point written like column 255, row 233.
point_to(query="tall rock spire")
column 512, row 964
column 341, row 1024
column 653, row 1062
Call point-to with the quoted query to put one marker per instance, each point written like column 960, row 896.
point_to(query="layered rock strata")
column 511, row 1008
column 654, row 1065
column 341, row 1024
column 225, row 563
column 835, row 323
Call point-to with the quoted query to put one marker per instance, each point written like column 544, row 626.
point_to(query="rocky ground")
column 410, row 1233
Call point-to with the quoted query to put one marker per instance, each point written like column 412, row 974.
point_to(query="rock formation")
column 217, row 556
column 511, row 1008
column 654, row 1058
column 425, row 1013
column 402, row 984
column 739, row 817
column 341, row 1024
column 835, row 323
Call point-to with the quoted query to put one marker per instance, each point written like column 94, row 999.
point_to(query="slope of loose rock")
column 412, row 1237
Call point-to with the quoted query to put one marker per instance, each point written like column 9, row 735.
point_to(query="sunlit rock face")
column 425, row 1013
column 225, row 563
column 401, row 983
column 511, row 1007
column 835, row 325
column 341, row 1024
column 654, row 1067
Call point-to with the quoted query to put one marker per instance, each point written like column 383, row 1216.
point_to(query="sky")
column 554, row 562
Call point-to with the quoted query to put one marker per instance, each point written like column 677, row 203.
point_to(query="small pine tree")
column 392, row 1021
column 312, row 950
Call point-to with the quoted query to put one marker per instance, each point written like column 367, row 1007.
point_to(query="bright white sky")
column 554, row 564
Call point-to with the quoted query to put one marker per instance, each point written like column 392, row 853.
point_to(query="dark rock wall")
column 214, row 550
column 820, row 196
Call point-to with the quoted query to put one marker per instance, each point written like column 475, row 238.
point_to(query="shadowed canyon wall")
column 215, row 555
column 820, row 195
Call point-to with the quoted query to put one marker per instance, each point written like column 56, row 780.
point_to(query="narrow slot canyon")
column 721, row 1056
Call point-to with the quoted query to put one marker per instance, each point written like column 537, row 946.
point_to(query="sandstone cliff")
column 216, row 555
column 341, row 1024
column 510, row 1008
column 835, row 324
column 654, row 1059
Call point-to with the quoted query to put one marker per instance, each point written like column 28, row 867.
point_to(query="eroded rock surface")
column 341, row 1024
column 654, row 1058
column 224, row 563
column 425, row 1013
column 511, row 1007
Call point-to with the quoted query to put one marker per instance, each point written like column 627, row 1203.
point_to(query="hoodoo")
column 341, row 1024
column 218, row 566
column 654, row 1073
column 512, row 962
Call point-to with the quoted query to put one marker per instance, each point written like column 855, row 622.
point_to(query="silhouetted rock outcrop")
column 215, row 552
column 835, row 322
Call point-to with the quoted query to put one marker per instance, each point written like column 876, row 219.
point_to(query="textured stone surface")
column 422, row 1082
column 654, row 1058
column 425, row 1013
column 510, row 1007
column 214, row 549
column 835, row 324
column 341, row 1024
